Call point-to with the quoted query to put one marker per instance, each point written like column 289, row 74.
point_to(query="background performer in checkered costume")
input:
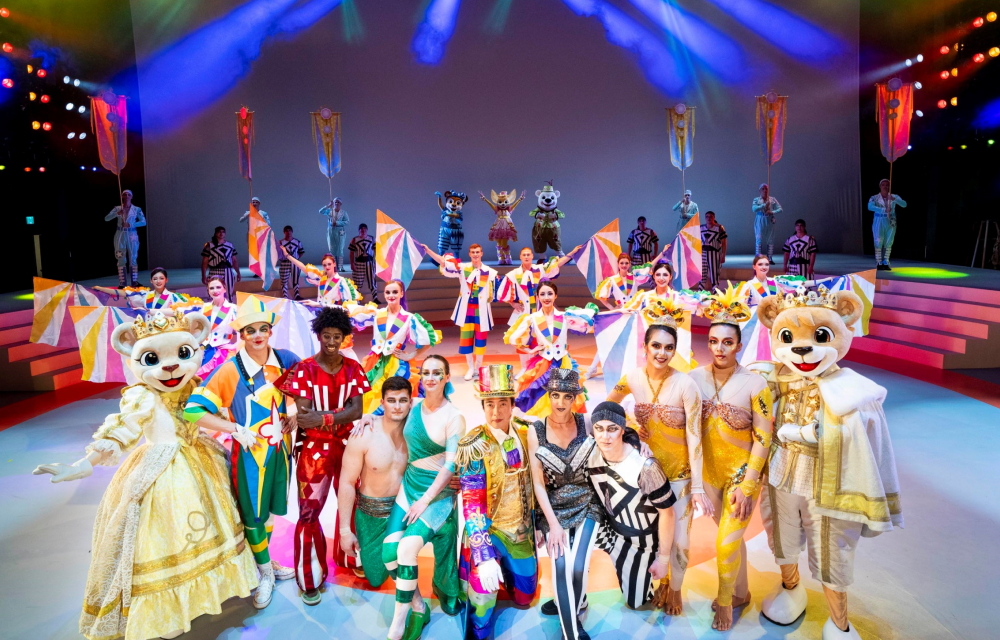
column 289, row 274
column 218, row 258
column 362, row 249
column 713, row 251
column 800, row 252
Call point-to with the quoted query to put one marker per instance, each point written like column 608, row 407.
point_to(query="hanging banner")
column 397, row 254
column 244, row 136
column 109, row 124
column 680, row 119
column 326, row 131
column 597, row 259
column 771, row 116
column 894, row 109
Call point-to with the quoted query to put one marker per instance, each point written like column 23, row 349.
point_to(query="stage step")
column 909, row 335
column 67, row 377
column 935, row 322
column 56, row 362
column 899, row 350
column 12, row 335
column 941, row 291
column 16, row 318
column 938, row 306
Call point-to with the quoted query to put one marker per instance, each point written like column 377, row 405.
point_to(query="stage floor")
column 826, row 264
column 931, row 580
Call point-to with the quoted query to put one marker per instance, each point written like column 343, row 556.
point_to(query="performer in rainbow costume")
column 159, row 298
column 548, row 331
column 221, row 342
column 393, row 330
column 498, row 544
column 260, row 460
column 758, row 341
column 331, row 288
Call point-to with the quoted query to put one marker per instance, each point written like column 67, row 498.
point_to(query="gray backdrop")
column 549, row 97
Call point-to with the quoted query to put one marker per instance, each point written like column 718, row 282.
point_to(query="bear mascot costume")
column 832, row 475
column 168, row 545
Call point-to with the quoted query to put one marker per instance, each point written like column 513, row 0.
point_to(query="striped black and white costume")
column 631, row 491
column 642, row 243
column 363, row 262
column 711, row 252
column 289, row 274
column 800, row 252
column 220, row 263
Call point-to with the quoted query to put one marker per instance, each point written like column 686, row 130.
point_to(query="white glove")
column 797, row 433
column 489, row 575
column 64, row 472
column 245, row 437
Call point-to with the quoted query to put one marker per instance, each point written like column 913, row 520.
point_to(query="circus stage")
column 921, row 582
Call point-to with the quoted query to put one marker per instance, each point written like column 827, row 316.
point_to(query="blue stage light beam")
column 989, row 115
column 185, row 77
column 788, row 32
column 713, row 48
column 432, row 36
column 658, row 64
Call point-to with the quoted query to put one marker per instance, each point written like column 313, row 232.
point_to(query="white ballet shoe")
column 784, row 606
column 262, row 596
column 469, row 374
column 172, row 634
column 832, row 632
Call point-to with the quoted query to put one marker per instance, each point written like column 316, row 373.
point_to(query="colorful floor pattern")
column 927, row 581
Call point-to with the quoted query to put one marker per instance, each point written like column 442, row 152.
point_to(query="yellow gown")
column 168, row 544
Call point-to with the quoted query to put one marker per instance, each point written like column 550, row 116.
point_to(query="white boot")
column 832, row 632
column 262, row 596
column 784, row 606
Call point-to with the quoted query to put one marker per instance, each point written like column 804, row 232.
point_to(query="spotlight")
column 36, row 125
column 47, row 126
column 954, row 101
column 94, row 169
column 82, row 109
column 978, row 22
column 954, row 71
column 70, row 105
column 964, row 147
column 7, row 47
column 70, row 135
column 27, row 169
column 918, row 85
column 42, row 73
column 8, row 83
column 944, row 49
column 942, row 104
column 66, row 79
column 909, row 62
column 989, row 142
column 4, row 13
column 31, row 95
column 920, row 114
column 945, row 75
column 76, row 83
column 42, row 169
column 909, row 146
column 994, row 52
column 978, row 57
column 920, row 57
column 83, row 168
column 83, row 135
column 45, row 98
column 2, row 167
column 991, row 16
column 31, row 69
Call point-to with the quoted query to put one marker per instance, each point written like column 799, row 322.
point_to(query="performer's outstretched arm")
column 292, row 258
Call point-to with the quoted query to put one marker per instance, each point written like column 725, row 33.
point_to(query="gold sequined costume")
column 168, row 545
column 734, row 415
column 670, row 411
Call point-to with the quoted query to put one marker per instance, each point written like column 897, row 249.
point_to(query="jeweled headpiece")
column 663, row 310
column 158, row 323
column 727, row 307
column 821, row 297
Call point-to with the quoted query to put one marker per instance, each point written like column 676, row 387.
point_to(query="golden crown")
column 665, row 311
column 727, row 307
column 821, row 297
column 158, row 323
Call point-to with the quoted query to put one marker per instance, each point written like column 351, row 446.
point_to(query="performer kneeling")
column 378, row 458
column 569, row 517
column 498, row 545
column 425, row 505
column 638, row 526
column 328, row 390
column 737, row 436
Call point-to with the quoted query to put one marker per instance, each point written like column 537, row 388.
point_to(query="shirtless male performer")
column 378, row 456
